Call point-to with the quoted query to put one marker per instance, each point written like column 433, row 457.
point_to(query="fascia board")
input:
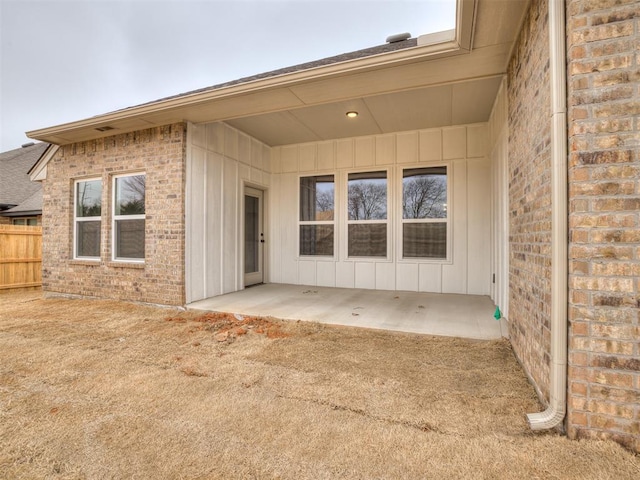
column 38, row 172
column 462, row 35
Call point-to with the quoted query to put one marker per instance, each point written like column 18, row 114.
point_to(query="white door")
column 253, row 237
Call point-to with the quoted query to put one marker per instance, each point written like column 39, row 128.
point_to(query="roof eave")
column 384, row 60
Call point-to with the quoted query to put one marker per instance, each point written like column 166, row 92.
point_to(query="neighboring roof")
column 15, row 184
column 31, row 206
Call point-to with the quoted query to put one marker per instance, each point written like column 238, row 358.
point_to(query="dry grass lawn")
column 101, row 389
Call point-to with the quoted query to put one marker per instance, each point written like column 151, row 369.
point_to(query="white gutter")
column 555, row 412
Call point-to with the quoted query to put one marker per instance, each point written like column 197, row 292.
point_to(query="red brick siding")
column 160, row 152
column 603, row 46
column 530, row 196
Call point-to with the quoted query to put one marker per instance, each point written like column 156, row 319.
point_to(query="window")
column 87, row 221
column 129, row 217
column 29, row 221
column 424, row 213
column 367, row 214
column 317, row 219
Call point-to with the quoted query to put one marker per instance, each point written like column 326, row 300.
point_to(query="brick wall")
column 160, row 153
column 530, row 197
column 603, row 44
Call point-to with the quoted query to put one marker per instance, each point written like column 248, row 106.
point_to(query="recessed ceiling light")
column 352, row 114
column 106, row 128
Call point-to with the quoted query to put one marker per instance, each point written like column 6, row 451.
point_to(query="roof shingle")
column 15, row 185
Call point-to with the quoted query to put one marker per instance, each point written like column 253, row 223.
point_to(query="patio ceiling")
column 414, row 88
column 437, row 106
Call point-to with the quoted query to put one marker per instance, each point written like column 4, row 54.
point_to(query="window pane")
column 88, row 239
column 368, row 240
column 19, row 221
column 251, row 234
column 89, row 198
column 129, row 238
column 32, row 222
column 316, row 240
column 424, row 240
column 130, row 194
column 316, row 198
column 424, row 193
column 367, row 196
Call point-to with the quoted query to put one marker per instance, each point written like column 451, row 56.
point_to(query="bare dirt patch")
column 101, row 389
column 228, row 326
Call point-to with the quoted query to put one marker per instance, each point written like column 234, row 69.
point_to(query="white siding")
column 499, row 150
column 220, row 160
column 462, row 148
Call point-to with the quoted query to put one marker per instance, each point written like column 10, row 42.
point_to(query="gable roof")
column 15, row 184
column 439, row 79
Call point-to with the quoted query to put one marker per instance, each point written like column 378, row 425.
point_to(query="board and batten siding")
column 499, row 147
column 221, row 160
column 462, row 148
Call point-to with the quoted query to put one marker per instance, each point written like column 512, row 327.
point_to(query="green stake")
column 498, row 314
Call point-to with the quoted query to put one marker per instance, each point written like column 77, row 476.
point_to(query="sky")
column 67, row 60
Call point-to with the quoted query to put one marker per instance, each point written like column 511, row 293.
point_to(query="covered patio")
column 466, row 316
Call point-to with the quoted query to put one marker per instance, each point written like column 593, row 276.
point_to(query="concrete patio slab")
column 467, row 316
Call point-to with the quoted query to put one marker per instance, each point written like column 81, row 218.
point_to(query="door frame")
column 261, row 194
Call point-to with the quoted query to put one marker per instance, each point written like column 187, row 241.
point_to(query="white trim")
column 248, row 190
column 188, row 220
column 401, row 220
column 77, row 219
column 38, row 172
column 334, row 222
column 462, row 35
column 389, row 221
column 115, row 218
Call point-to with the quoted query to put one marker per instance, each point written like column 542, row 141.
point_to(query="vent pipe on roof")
column 28, row 144
column 398, row 37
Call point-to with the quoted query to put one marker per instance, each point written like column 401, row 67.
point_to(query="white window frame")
column 401, row 220
column 115, row 218
column 77, row 219
column 319, row 222
column 388, row 221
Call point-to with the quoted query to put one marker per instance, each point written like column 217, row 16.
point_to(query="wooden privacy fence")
column 20, row 256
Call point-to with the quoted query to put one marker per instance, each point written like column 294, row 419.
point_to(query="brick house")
column 523, row 121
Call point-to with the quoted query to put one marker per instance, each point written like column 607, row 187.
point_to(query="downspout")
column 555, row 412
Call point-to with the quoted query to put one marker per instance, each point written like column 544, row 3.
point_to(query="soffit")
column 428, row 107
